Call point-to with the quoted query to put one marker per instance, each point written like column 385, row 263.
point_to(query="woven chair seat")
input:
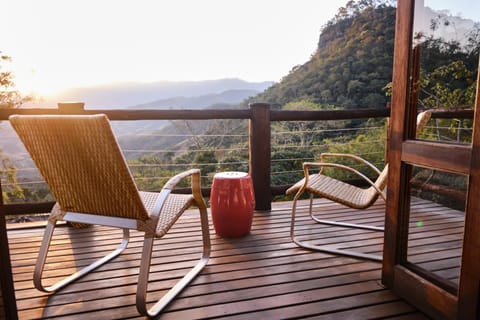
column 338, row 191
column 172, row 209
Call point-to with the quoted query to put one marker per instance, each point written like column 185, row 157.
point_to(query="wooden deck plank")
column 262, row 275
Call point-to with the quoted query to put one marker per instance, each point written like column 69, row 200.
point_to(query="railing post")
column 71, row 106
column 8, row 305
column 259, row 154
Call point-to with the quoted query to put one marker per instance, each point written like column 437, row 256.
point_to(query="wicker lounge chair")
column 83, row 165
column 341, row 192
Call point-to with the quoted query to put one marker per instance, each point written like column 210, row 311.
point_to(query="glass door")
column 431, row 254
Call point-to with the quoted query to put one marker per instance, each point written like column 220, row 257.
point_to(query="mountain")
column 354, row 57
column 131, row 134
column 351, row 66
column 229, row 97
column 124, row 95
column 128, row 132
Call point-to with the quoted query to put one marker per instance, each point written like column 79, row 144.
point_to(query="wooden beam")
column 8, row 308
column 297, row 115
column 446, row 157
column 469, row 289
column 259, row 149
column 395, row 228
column 435, row 301
column 145, row 114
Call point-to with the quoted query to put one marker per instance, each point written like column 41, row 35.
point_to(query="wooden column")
column 395, row 241
column 469, row 288
column 8, row 305
column 259, row 154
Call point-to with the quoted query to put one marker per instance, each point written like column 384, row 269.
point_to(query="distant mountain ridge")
column 229, row 97
column 195, row 95
column 124, row 95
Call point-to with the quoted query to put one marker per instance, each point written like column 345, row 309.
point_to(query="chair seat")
column 172, row 209
column 338, row 191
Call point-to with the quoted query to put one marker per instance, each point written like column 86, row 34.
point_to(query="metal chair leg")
column 141, row 299
column 338, row 223
column 42, row 256
column 310, row 246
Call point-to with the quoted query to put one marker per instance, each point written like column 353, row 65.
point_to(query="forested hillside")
column 352, row 65
column 351, row 68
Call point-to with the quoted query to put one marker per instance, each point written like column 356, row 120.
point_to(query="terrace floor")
column 260, row 276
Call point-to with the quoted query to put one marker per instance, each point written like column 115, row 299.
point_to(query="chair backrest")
column 82, row 163
column 422, row 119
column 381, row 181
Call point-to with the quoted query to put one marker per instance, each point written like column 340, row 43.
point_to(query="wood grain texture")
column 262, row 275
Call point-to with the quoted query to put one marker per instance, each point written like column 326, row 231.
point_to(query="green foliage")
column 450, row 86
column 448, row 69
column 233, row 163
column 149, row 172
column 352, row 64
column 14, row 191
column 207, row 160
column 9, row 97
column 370, row 145
column 304, row 133
column 287, row 164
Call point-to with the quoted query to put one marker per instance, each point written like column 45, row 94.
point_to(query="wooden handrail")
column 140, row 114
column 301, row 115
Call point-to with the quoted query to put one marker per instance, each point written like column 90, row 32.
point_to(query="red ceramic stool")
column 231, row 203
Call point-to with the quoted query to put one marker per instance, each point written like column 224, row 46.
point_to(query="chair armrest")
column 173, row 181
column 307, row 165
column 349, row 156
column 195, row 184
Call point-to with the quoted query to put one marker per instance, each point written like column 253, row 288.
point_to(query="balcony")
column 263, row 274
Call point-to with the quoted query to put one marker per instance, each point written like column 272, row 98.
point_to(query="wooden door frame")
column 397, row 274
column 8, row 307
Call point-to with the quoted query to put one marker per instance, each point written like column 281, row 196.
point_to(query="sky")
column 468, row 9
column 58, row 44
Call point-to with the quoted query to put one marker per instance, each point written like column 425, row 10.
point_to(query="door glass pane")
column 446, row 44
column 437, row 215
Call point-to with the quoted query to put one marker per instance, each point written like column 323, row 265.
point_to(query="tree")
column 9, row 98
column 353, row 60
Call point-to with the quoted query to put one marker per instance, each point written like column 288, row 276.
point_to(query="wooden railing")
column 260, row 116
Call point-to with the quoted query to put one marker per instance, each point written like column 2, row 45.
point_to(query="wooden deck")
column 260, row 276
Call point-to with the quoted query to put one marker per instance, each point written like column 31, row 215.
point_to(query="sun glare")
column 35, row 84
column 63, row 44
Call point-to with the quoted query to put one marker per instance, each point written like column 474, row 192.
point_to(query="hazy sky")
column 58, row 44
column 61, row 43
column 468, row 9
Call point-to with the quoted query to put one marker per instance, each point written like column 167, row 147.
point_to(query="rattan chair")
column 321, row 185
column 85, row 170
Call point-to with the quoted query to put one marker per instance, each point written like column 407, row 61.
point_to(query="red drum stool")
column 231, row 202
